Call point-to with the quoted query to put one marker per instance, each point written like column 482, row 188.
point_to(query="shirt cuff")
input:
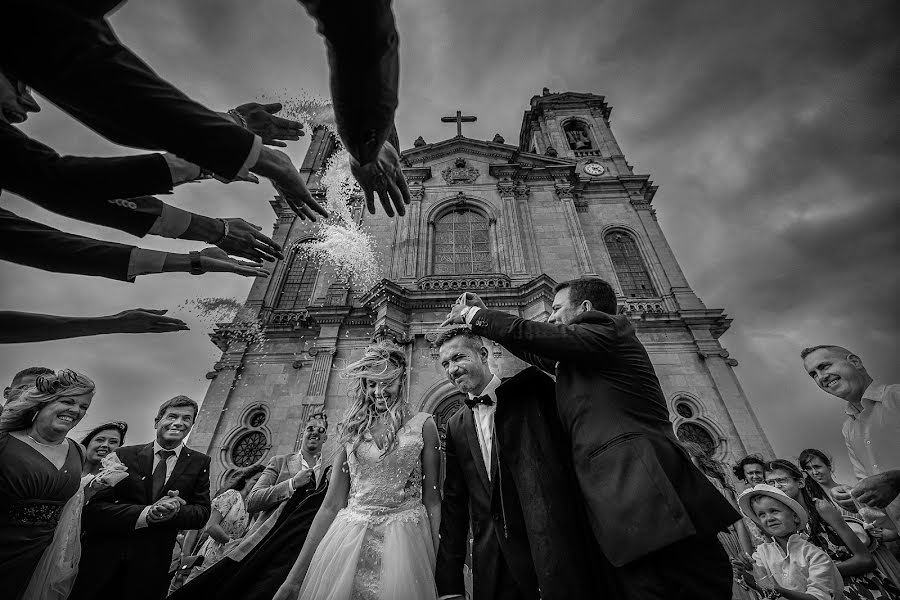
column 142, row 518
column 145, row 261
column 291, row 484
column 471, row 314
column 171, row 223
column 255, row 149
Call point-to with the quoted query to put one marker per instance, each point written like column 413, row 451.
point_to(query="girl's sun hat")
column 772, row 492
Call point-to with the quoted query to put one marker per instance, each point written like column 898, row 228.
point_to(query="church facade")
column 507, row 221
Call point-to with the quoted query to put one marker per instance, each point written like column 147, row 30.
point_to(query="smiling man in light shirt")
column 872, row 428
column 130, row 529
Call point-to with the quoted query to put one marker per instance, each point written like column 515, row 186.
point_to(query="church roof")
column 493, row 151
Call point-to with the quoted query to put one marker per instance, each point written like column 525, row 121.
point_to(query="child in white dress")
column 375, row 536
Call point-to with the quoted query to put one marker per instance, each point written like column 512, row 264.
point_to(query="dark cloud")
column 771, row 129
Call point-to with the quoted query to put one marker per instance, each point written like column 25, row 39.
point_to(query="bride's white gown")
column 380, row 546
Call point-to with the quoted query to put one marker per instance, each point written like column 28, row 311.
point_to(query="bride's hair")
column 21, row 411
column 383, row 362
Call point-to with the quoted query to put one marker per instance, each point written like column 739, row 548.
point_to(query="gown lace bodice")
column 387, row 484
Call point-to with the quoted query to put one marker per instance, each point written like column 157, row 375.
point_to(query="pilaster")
column 565, row 192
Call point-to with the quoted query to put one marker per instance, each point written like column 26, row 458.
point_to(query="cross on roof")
column 459, row 119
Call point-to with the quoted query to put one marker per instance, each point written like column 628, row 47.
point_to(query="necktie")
column 486, row 400
column 159, row 473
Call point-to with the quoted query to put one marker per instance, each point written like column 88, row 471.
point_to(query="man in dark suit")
column 509, row 479
column 130, row 529
column 653, row 513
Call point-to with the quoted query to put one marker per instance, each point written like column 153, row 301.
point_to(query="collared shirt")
column 484, row 421
column 304, row 466
column 170, row 466
column 803, row 568
column 872, row 435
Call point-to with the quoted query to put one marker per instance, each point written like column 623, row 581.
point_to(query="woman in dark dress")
column 40, row 469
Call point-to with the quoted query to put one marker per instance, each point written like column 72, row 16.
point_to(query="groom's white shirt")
column 484, row 421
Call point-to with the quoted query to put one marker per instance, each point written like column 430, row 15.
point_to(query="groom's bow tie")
column 486, row 400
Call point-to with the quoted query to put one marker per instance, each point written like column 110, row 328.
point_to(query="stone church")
column 506, row 221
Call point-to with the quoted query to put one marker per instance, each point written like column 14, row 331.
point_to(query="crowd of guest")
column 85, row 520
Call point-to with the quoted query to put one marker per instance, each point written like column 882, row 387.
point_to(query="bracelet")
column 196, row 266
column 224, row 234
column 240, row 118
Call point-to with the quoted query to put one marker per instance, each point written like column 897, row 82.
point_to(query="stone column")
column 209, row 418
column 512, row 239
column 321, row 370
column 566, row 194
column 411, row 244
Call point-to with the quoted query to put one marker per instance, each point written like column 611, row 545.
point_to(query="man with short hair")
column 23, row 379
column 751, row 470
column 871, row 427
column 510, row 481
column 653, row 513
column 130, row 529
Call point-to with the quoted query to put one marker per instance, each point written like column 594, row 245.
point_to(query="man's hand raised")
column 261, row 120
column 278, row 168
column 216, row 260
column 383, row 175
column 470, row 299
column 246, row 240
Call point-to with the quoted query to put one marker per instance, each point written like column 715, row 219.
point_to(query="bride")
column 376, row 535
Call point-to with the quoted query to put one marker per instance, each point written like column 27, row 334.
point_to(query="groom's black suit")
column 119, row 561
column 530, row 537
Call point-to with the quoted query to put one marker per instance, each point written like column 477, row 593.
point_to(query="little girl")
column 800, row 570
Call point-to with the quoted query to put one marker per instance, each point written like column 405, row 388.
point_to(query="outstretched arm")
column 335, row 500
column 18, row 327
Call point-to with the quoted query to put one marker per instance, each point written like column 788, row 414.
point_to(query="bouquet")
column 112, row 471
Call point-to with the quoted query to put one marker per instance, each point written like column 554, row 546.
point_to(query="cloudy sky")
column 771, row 128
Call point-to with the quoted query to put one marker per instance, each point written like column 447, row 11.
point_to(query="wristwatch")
column 196, row 267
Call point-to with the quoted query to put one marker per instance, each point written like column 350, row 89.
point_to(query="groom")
column 509, row 479
column 652, row 512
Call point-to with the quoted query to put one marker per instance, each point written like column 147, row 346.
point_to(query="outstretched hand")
column 455, row 316
column 216, row 260
column 261, row 120
column 877, row 490
column 278, row 168
column 245, row 239
column 383, row 175
column 145, row 320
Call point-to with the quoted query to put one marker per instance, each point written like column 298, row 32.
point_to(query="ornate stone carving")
column 460, row 173
column 417, row 191
column 463, row 282
column 634, row 308
column 419, row 142
column 551, row 152
column 564, row 189
column 385, row 333
column 498, row 139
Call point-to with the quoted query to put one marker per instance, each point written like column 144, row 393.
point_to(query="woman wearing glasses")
column 40, row 471
column 828, row 530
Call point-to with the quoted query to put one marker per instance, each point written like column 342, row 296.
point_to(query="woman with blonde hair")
column 376, row 534
column 40, row 471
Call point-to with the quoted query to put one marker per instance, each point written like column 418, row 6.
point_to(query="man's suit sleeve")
column 195, row 513
column 454, row 529
column 36, row 245
column 105, row 513
column 266, row 494
column 78, row 63
column 362, row 43
column 568, row 343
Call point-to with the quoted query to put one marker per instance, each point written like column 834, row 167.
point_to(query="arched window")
column 578, row 135
column 249, row 449
column 462, row 243
column 629, row 266
column 298, row 286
